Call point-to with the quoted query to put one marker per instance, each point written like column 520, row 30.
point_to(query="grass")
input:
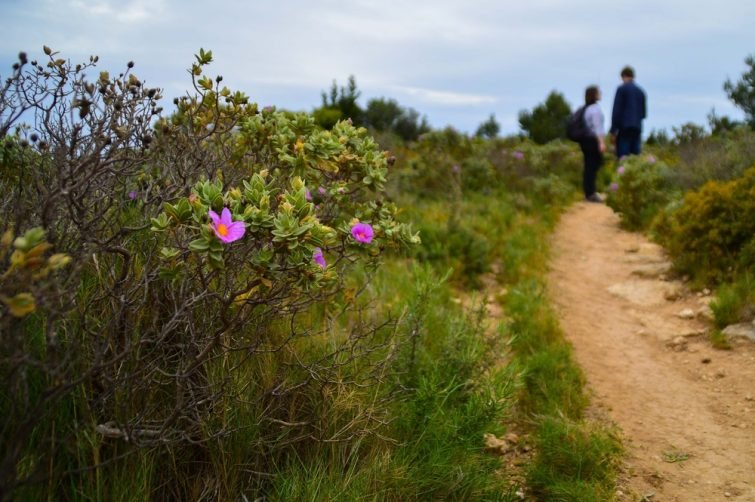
column 734, row 302
column 575, row 458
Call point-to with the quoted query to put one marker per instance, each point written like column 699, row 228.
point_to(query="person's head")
column 592, row 95
column 627, row 73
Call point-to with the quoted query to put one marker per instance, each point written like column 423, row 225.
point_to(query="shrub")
column 711, row 232
column 641, row 189
column 135, row 310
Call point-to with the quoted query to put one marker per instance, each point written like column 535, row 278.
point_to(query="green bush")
column 735, row 302
column 641, row 188
column 710, row 233
column 129, row 321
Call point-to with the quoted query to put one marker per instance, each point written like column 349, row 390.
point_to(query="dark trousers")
column 593, row 161
column 628, row 142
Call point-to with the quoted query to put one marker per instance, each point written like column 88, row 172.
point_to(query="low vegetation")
column 232, row 302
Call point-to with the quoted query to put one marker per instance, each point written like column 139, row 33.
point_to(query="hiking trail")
column 686, row 410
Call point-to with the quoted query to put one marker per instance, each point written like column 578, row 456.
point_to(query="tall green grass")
column 575, row 458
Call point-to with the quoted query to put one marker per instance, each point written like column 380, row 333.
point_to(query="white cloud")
column 133, row 11
column 437, row 56
column 448, row 98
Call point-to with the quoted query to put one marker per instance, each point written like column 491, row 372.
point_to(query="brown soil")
column 686, row 410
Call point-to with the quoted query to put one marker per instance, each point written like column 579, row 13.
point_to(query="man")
column 629, row 108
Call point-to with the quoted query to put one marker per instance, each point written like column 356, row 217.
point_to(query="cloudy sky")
column 455, row 62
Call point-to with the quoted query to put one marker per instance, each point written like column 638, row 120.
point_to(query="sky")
column 455, row 62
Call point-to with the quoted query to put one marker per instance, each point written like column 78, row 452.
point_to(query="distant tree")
column 339, row 104
column 488, row 129
column 719, row 125
column 688, row 133
column 410, row 125
column 327, row 117
column 742, row 93
column 547, row 121
column 659, row 137
column 386, row 115
column 382, row 114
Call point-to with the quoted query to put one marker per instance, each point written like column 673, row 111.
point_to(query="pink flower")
column 362, row 232
column 132, row 195
column 319, row 258
column 308, row 195
column 620, row 170
column 651, row 159
column 518, row 155
column 226, row 229
column 322, row 191
column 456, row 168
column 614, row 186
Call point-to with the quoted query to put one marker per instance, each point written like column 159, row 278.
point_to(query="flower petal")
column 225, row 217
column 236, row 231
column 214, row 217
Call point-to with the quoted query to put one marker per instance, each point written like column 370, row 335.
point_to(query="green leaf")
column 169, row 253
column 199, row 245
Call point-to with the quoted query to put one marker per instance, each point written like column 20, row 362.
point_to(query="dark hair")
column 627, row 71
column 591, row 95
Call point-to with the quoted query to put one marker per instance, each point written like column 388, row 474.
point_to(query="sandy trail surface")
column 685, row 409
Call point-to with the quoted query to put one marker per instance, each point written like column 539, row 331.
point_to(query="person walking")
column 594, row 144
column 629, row 109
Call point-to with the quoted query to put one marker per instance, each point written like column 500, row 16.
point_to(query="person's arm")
column 618, row 108
column 600, row 131
column 644, row 105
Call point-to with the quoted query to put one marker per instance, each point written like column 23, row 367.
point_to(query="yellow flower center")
column 222, row 229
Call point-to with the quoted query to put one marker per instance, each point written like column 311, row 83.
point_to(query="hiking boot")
column 594, row 198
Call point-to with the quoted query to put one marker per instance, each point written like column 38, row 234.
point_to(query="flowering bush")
column 155, row 268
column 710, row 234
column 641, row 188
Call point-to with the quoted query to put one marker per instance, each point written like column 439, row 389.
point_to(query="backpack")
column 576, row 127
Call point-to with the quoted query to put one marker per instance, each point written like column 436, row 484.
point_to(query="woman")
column 593, row 146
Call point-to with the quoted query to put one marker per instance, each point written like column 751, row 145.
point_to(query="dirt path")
column 686, row 410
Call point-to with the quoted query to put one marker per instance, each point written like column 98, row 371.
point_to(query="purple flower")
column 614, row 186
column 308, row 195
column 518, row 155
column 620, row 170
column 456, row 169
column 362, row 232
column 132, row 195
column 226, row 229
column 319, row 258
column 322, row 191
